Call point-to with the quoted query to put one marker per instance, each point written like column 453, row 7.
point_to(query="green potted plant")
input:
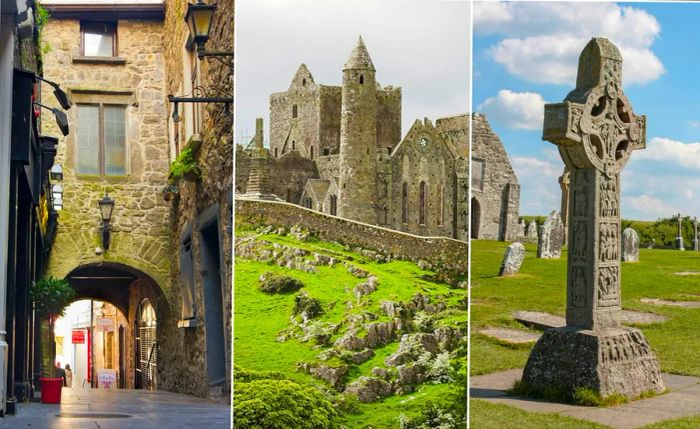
column 51, row 296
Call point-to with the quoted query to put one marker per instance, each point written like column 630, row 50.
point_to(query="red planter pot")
column 51, row 390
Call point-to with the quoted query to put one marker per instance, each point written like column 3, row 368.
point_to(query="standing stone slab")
column 680, row 245
column 596, row 132
column 512, row 260
column 522, row 228
column 531, row 230
column 630, row 245
column 551, row 237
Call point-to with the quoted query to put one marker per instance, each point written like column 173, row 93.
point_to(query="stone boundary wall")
column 447, row 255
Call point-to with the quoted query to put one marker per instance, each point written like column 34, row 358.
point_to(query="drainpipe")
column 6, row 73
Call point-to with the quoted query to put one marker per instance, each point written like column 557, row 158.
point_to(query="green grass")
column 541, row 286
column 259, row 318
column 486, row 415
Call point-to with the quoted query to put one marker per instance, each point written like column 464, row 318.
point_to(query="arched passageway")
column 141, row 301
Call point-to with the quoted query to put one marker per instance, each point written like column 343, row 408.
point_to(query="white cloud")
column 539, row 177
column 671, row 151
column 645, row 207
column 543, row 40
column 518, row 110
column 694, row 124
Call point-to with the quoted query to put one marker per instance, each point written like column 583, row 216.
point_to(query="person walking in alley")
column 60, row 372
column 68, row 376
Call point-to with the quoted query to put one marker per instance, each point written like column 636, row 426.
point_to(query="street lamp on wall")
column 61, row 118
column 106, row 207
column 199, row 17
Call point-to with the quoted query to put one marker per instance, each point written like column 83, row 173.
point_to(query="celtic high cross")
column 595, row 131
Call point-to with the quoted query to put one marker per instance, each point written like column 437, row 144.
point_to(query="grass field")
column 259, row 318
column 541, row 286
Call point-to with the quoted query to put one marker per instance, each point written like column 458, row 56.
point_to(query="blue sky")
column 525, row 55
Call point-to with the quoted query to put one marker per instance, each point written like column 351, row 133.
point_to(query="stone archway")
column 127, row 288
column 475, row 213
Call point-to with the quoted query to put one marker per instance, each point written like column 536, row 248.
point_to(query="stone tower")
column 357, row 179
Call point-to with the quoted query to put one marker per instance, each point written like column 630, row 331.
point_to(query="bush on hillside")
column 305, row 303
column 276, row 283
column 281, row 404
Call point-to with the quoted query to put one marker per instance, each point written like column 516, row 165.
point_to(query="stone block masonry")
column 444, row 254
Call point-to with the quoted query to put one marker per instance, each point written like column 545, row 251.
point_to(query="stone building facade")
column 119, row 64
column 338, row 150
column 495, row 192
column 201, row 208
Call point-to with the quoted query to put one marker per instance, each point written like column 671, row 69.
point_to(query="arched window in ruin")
column 294, row 111
column 334, row 205
column 423, row 193
column 404, row 203
column 475, row 218
column 303, row 82
column 307, row 203
column 362, row 79
column 441, row 205
column 294, row 144
column 275, row 152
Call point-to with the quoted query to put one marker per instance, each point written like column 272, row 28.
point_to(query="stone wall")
column 498, row 200
column 186, row 348
column 455, row 130
column 445, row 254
column 140, row 236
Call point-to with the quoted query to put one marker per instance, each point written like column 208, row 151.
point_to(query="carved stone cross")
column 595, row 131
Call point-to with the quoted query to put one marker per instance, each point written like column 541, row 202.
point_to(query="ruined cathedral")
column 338, row 150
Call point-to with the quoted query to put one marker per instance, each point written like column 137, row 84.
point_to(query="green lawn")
column 259, row 318
column 541, row 286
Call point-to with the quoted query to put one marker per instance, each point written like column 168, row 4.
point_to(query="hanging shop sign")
column 78, row 336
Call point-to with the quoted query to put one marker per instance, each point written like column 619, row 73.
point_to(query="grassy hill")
column 268, row 336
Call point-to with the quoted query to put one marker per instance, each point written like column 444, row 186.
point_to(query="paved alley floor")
column 117, row 409
column 682, row 400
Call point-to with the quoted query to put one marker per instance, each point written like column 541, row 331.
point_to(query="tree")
column 51, row 296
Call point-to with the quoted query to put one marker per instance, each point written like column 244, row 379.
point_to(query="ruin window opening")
column 421, row 201
column 294, row 111
column 294, row 144
column 362, row 79
column 276, row 152
column 441, row 205
column 311, row 152
column 303, row 82
column 404, row 203
column 101, row 140
column 334, row 205
column 326, row 151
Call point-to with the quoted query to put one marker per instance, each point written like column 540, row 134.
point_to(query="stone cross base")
column 696, row 245
column 611, row 360
column 679, row 243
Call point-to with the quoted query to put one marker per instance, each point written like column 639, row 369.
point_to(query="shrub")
column 423, row 322
column 281, row 404
column 432, row 417
column 280, row 284
column 241, row 375
column 304, row 303
column 185, row 164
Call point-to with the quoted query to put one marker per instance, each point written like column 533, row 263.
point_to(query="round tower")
column 357, row 179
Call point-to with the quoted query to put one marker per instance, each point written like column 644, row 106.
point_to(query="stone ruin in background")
column 596, row 132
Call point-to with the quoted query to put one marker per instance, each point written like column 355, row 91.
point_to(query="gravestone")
column 551, row 237
column 522, row 228
column 531, row 230
column 630, row 245
column 564, row 182
column 595, row 131
column 512, row 260
column 696, row 245
column 679, row 239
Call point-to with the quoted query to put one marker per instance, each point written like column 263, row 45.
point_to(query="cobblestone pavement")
column 117, row 409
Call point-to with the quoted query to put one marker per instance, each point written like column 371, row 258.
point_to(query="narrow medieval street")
column 123, row 408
